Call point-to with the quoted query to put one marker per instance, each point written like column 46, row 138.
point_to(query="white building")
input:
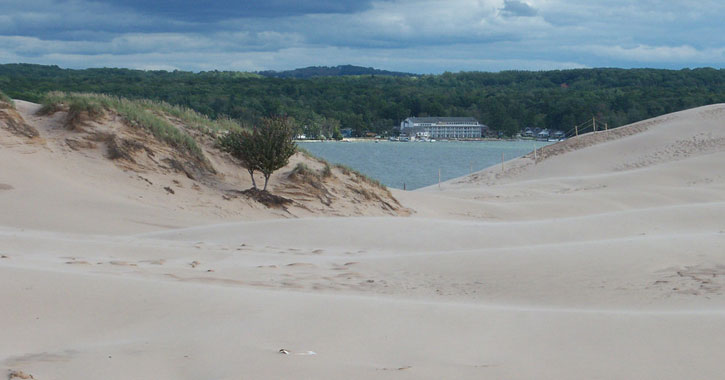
column 443, row 127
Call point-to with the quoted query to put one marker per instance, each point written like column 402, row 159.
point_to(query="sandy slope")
column 69, row 186
column 602, row 261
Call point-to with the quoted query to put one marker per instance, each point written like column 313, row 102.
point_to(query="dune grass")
column 302, row 169
column 326, row 171
column 372, row 181
column 194, row 119
column 142, row 113
column 6, row 99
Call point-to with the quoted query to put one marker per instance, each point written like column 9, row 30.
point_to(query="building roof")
column 438, row 119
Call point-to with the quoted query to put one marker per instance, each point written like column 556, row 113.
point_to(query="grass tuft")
column 346, row 170
column 304, row 174
column 301, row 169
column 326, row 171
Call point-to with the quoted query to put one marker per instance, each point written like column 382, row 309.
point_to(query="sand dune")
column 603, row 259
column 73, row 182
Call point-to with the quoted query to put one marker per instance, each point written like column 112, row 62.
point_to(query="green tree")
column 331, row 128
column 273, row 145
column 336, row 134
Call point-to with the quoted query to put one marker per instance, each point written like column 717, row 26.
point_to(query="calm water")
column 416, row 164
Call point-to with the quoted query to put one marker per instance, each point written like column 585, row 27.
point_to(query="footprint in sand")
column 395, row 369
column 308, row 265
column 122, row 263
column 291, row 285
column 349, row 275
column 344, row 266
column 154, row 262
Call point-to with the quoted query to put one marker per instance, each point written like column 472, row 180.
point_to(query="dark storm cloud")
column 515, row 8
column 101, row 20
column 216, row 10
column 78, row 20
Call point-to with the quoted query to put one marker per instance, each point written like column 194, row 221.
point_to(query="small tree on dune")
column 274, row 145
column 267, row 148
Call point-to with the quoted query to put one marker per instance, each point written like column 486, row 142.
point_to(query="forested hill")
column 325, row 71
column 506, row 101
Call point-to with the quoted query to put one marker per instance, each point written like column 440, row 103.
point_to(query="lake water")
column 416, row 164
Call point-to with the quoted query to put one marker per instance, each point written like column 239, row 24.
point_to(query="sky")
column 418, row 36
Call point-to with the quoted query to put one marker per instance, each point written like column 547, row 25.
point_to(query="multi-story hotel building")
column 442, row 127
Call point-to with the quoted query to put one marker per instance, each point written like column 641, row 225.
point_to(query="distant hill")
column 326, row 71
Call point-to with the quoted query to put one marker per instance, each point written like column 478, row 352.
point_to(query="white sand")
column 604, row 262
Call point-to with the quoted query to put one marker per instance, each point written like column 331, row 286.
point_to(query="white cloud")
column 649, row 54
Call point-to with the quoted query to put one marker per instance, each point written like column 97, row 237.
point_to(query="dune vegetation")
column 5, row 99
column 164, row 121
column 151, row 115
column 344, row 169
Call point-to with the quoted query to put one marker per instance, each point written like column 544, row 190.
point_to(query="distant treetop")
column 336, row 71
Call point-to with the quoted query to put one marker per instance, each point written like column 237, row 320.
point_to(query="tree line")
column 506, row 101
